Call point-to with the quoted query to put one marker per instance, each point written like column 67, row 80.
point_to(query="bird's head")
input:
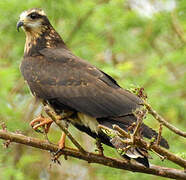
column 39, row 32
column 33, row 20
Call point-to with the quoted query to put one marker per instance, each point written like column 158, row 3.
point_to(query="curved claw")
column 56, row 155
column 41, row 122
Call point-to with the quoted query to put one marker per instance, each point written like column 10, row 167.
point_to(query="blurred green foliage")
column 138, row 51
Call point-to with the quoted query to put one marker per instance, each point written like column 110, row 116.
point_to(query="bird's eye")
column 33, row 15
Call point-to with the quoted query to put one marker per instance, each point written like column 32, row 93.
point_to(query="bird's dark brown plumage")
column 65, row 81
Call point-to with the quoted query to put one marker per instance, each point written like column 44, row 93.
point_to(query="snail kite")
column 68, row 83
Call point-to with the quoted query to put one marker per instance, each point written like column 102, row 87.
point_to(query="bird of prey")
column 66, row 82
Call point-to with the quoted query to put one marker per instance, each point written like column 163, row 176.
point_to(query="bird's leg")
column 61, row 143
column 41, row 121
column 61, row 146
column 64, row 116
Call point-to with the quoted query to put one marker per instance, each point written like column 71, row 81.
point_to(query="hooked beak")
column 19, row 24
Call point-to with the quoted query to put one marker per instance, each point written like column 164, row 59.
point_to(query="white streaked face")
column 31, row 19
column 23, row 15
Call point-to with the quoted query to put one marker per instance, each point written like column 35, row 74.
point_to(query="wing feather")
column 58, row 74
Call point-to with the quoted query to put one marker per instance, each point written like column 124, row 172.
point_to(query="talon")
column 36, row 120
column 61, row 145
column 41, row 122
column 56, row 156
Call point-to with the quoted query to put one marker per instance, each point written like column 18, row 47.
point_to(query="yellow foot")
column 61, row 143
column 41, row 122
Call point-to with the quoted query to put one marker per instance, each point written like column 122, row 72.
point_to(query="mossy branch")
column 92, row 157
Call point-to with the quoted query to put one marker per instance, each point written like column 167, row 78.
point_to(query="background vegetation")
column 136, row 45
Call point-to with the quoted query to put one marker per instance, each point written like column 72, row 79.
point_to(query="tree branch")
column 58, row 120
column 94, row 158
column 142, row 143
column 163, row 121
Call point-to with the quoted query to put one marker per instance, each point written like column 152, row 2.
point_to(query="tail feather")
column 143, row 161
column 125, row 121
column 138, row 154
column 150, row 133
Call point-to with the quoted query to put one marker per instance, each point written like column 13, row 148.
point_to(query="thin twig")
column 121, row 131
column 163, row 152
column 3, row 126
column 163, row 121
column 140, row 116
column 177, row 28
column 57, row 120
column 109, row 132
column 94, row 158
column 159, row 134
column 100, row 147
